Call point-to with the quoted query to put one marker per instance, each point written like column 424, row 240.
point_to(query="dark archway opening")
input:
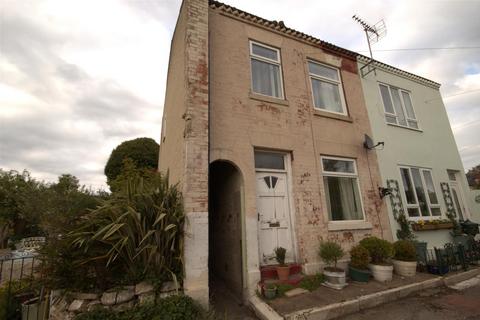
column 225, row 232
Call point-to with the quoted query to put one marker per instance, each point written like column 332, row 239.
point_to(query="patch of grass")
column 311, row 283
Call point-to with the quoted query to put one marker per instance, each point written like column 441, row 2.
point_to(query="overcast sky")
column 77, row 77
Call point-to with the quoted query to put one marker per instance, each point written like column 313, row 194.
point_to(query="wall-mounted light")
column 369, row 144
column 383, row 192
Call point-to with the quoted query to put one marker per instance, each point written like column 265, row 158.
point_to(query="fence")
column 452, row 257
column 20, row 297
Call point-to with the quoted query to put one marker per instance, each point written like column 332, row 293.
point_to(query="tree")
column 473, row 177
column 142, row 151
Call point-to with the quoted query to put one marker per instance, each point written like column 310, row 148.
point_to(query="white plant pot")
column 335, row 279
column 405, row 268
column 381, row 273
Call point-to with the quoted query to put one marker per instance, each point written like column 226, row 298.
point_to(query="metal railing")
column 20, row 295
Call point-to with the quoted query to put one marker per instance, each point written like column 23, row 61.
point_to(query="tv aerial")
column 373, row 33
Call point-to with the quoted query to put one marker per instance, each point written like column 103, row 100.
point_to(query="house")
column 420, row 160
column 264, row 129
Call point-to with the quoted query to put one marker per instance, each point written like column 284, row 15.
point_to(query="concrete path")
column 438, row 303
column 227, row 306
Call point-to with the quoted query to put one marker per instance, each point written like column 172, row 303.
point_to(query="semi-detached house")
column 263, row 128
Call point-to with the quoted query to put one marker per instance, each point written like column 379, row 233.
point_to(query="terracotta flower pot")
column 283, row 272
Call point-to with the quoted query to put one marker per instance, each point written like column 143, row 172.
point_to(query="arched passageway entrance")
column 225, row 228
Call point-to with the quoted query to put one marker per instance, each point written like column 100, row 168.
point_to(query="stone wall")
column 65, row 306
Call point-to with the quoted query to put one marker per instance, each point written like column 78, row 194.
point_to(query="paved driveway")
column 436, row 304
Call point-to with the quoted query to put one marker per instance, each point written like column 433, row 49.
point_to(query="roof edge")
column 279, row 26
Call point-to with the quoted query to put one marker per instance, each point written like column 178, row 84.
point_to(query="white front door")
column 458, row 202
column 273, row 215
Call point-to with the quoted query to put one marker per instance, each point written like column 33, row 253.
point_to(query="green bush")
column 359, row 257
column 380, row 250
column 405, row 250
column 330, row 252
column 139, row 229
column 10, row 307
column 280, row 255
column 172, row 308
column 311, row 283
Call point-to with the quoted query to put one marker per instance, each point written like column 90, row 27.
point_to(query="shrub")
column 10, row 307
column 139, row 229
column 280, row 255
column 311, row 283
column 405, row 250
column 359, row 257
column 330, row 252
column 380, row 250
column 177, row 307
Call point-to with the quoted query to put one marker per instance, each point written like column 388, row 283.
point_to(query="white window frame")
column 404, row 108
column 333, row 81
column 425, row 191
column 267, row 60
column 347, row 175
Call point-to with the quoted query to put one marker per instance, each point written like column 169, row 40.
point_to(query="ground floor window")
column 342, row 190
column 420, row 193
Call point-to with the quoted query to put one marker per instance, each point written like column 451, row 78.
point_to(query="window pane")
column 457, row 204
column 412, row 124
column 341, row 166
column 391, row 119
column 269, row 160
column 323, row 71
column 413, row 212
column 427, row 175
column 266, row 78
column 436, row 212
column 326, row 96
column 417, row 182
column 451, row 175
column 343, row 198
column 407, row 185
column 408, row 105
column 387, row 102
column 265, row 52
column 397, row 104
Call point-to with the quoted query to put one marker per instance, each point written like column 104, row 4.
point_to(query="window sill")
column 330, row 115
column 403, row 127
column 260, row 97
column 348, row 225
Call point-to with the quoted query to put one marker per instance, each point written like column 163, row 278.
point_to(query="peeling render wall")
column 241, row 121
column 433, row 147
column 184, row 145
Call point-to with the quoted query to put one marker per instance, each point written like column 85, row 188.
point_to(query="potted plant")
column 283, row 270
column 358, row 267
column 380, row 252
column 330, row 252
column 405, row 259
column 270, row 291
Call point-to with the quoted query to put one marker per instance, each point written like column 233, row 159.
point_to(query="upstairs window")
column 422, row 200
column 341, row 189
column 266, row 70
column 398, row 107
column 326, row 88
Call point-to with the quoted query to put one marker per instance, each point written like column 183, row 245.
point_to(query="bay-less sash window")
column 266, row 70
column 398, row 107
column 326, row 88
column 342, row 189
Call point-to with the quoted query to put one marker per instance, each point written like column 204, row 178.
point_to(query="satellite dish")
column 368, row 143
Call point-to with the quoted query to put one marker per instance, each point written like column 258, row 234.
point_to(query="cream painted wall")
column 433, row 146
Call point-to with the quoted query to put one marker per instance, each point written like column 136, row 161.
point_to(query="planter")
column 428, row 226
column 359, row 275
column 33, row 310
column 270, row 293
column 283, row 272
column 335, row 279
column 381, row 273
column 433, row 269
column 405, row 268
